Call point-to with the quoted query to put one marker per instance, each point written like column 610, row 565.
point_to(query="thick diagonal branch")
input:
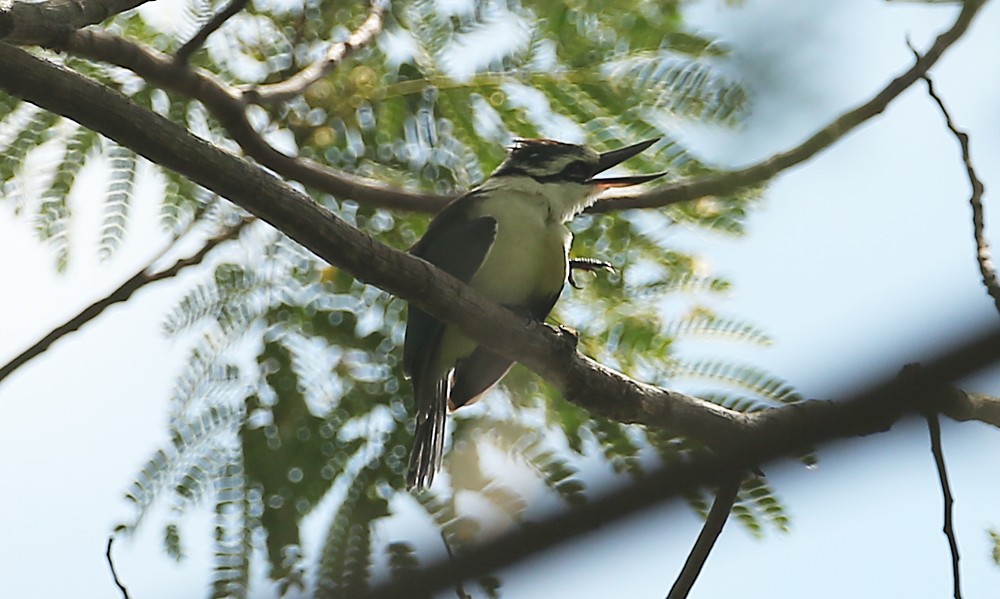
column 47, row 23
column 549, row 353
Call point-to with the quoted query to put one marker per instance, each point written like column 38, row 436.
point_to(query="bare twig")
column 191, row 46
column 335, row 54
column 111, row 565
column 459, row 589
column 934, row 426
column 986, row 268
column 725, row 497
column 45, row 23
column 121, row 294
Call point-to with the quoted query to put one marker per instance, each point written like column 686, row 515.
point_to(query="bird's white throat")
column 559, row 202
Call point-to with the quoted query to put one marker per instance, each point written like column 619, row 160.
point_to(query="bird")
column 508, row 239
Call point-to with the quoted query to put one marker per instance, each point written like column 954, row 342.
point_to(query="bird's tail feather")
column 428, row 441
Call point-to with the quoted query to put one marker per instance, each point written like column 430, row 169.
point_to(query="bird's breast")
column 528, row 257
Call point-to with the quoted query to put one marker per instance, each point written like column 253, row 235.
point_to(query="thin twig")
column 111, row 564
column 459, row 589
column 986, row 268
column 725, row 497
column 335, row 54
column 191, row 46
column 122, row 293
column 934, row 426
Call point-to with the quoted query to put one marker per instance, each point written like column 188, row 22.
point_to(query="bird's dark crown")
column 547, row 161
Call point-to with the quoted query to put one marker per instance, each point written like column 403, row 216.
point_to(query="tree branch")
column 121, row 294
column 227, row 105
column 49, row 22
column 918, row 392
column 725, row 497
column 934, row 427
column 550, row 353
column 335, row 54
column 191, row 46
column 758, row 173
column 986, row 268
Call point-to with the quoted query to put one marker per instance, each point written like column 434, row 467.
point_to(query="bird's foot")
column 571, row 335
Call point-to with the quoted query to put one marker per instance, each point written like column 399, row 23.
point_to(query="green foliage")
column 292, row 396
column 118, row 199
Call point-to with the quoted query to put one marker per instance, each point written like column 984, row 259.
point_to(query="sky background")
column 860, row 261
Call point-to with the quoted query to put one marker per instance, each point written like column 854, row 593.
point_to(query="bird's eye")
column 576, row 171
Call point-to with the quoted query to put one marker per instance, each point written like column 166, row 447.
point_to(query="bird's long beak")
column 610, row 159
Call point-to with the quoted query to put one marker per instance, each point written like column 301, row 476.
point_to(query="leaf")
column 118, row 200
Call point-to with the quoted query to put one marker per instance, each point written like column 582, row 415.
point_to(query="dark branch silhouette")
column 124, row 291
column 191, row 46
column 111, row 566
column 725, row 497
column 934, row 426
column 335, row 54
column 873, row 411
column 983, row 257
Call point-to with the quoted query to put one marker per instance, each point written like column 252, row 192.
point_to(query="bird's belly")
column 528, row 261
column 525, row 263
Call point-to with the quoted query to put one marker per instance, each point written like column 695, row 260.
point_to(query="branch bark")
column 550, row 353
column 48, row 23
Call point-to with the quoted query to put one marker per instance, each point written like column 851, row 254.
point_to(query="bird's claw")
column 588, row 264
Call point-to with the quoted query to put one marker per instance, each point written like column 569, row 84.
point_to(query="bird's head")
column 554, row 162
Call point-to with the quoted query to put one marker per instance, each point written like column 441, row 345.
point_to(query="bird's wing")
column 457, row 244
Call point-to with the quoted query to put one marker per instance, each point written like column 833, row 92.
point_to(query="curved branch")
column 549, row 352
column 47, row 23
column 227, row 105
column 142, row 278
column 335, row 54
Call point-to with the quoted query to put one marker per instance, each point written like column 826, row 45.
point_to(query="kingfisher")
column 508, row 239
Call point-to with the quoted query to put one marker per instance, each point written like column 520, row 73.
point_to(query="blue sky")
column 868, row 244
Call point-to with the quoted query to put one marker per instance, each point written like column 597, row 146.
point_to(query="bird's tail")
column 428, row 440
